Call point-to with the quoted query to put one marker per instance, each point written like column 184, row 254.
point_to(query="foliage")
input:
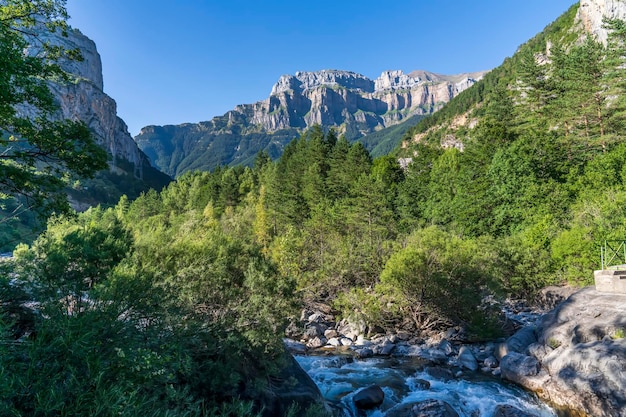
column 37, row 154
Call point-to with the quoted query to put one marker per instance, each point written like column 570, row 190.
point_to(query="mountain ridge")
column 349, row 102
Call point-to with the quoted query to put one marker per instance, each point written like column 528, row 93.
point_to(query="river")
column 402, row 380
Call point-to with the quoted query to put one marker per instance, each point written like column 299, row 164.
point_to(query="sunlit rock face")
column 591, row 14
column 83, row 98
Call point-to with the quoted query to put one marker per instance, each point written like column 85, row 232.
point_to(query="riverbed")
column 408, row 380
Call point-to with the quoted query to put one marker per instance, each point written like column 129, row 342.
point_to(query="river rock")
column 345, row 341
column 384, row 348
column 515, row 365
column 428, row 408
column 466, row 359
column 316, row 342
column 582, row 365
column 421, row 384
column 443, row 374
column 369, row 398
column 519, row 342
column 294, row 347
column 491, row 362
column 446, row 347
column 292, row 386
column 333, row 341
column 364, row 353
column 330, row 333
column 510, row 411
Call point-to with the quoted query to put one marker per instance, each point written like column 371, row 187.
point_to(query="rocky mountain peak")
column 88, row 69
column 391, row 80
column 591, row 14
column 309, row 80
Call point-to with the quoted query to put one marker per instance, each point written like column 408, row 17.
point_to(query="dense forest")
column 175, row 303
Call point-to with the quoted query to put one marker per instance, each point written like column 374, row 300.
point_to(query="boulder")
column 294, row 347
column 428, row 408
column 369, row 398
column 579, row 360
column 421, row 384
column 514, row 366
column 510, row 411
column 466, row 359
column 292, row 386
column 330, row 333
column 364, row 353
column 316, row 342
column 519, row 342
column 446, row 347
column 491, row 362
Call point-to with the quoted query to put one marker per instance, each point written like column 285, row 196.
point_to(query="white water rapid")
column 402, row 380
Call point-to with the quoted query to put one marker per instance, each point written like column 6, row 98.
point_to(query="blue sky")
column 177, row 61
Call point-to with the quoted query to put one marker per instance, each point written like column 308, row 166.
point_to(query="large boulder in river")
column 292, row 387
column 369, row 398
column 580, row 356
column 428, row 408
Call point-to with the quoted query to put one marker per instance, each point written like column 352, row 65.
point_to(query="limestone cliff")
column 591, row 14
column 343, row 98
column 349, row 102
column 83, row 99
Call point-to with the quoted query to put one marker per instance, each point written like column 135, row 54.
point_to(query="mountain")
column 499, row 95
column 349, row 102
column 83, row 99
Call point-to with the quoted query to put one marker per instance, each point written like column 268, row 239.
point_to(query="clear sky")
column 177, row 61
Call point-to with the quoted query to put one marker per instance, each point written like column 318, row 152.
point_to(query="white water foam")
column 471, row 395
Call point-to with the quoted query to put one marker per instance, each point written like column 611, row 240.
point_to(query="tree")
column 38, row 154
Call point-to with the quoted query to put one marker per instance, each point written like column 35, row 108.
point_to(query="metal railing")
column 613, row 253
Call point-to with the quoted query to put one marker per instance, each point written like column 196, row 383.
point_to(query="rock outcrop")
column 579, row 359
column 349, row 102
column 592, row 13
column 83, row 98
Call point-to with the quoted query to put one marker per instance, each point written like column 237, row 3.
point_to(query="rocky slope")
column 83, row 99
column 347, row 101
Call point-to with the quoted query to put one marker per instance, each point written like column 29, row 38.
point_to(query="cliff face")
column 349, row 102
column 340, row 98
column 591, row 14
column 83, row 99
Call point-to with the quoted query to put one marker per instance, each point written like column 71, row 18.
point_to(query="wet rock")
column 510, row 411
column 491, row 362
column 466, row 359
column 443, row 374
column 364, row 353
column 369, row 398
column 294, row 347
column 421, row 384
column 385, row 348
column 428, row 408
column 292, row 386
